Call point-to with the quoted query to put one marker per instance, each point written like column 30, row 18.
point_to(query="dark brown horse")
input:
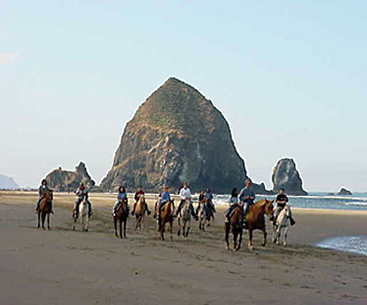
column 45, row 209
column 235, row 225
column 255, row 218
column 165, row 215
column 121, row 216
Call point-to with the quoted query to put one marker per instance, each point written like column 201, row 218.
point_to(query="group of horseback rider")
column 246, row 198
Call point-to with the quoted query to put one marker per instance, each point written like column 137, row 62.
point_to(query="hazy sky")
column 289, row 76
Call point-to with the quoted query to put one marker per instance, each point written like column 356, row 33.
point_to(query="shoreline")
column 98, row 268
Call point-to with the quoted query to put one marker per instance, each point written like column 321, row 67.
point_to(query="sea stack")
column 344, row 192
column 66, row 181
column 176, row 135
column 285, row 175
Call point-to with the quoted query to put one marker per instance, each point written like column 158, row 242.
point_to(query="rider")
column 233, row 201
column 209, row 196
column 138, row 193
column 42, row 192
column 82, row 193
column 200, row 201
column 164, row 197
column 281, row 201
column 121, row 196
column 185, row 194
column 247, row 197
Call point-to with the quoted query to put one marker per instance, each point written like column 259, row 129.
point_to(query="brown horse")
column 140, row 210
column 255, row 218
column 235, row 225
column 45, row 209
column 166, row 215
column 121, row 216
column 205, row 214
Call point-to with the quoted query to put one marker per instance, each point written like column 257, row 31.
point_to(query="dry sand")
column 66, row 267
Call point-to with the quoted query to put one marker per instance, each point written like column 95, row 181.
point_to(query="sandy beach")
column 66, row 267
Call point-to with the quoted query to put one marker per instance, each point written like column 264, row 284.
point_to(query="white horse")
column 84, row 214
column 184, row 218
column 282, row 222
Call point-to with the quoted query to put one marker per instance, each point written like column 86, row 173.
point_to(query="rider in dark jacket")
column 41, row 193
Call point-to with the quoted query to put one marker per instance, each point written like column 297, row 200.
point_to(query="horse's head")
column 142, row 199
column 269, row 208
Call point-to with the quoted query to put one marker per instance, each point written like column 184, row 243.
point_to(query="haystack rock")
column 285, row 175
column 176, row 135
column 67, row 181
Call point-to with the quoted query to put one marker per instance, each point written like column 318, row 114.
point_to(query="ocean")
column 315, row 201
column 351, row 244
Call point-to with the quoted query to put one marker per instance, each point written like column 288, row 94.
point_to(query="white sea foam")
column 354, row 244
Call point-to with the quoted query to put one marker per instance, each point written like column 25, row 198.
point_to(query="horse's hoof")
column 178, row 233
column 227, row 248
column 251, row 248
column 48, row 229
column 285, row 244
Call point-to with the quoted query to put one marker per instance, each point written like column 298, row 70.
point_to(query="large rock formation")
column 285, row 175
column 67, row 181
column 343, row 191
column 176, row 135
column 7, row 183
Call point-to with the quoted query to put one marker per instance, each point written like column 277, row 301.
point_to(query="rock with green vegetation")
column 68, row 181
column 177, row 135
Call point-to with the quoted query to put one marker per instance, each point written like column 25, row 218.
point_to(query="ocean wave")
column 356, row 203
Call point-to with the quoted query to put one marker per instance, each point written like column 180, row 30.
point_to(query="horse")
column 140, row 210
column 165, row 215
column 185, row 218
column 205, row 214
column 121, row 216
column 84, row 214
column 44, row 209
column 235, row 225
column 282, row 222
column 255, row 219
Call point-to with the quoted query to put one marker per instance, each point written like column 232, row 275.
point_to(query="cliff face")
column 285, row 175
column 177, row 135
column 66, row 181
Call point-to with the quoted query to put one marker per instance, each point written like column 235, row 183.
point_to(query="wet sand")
column 62, row 266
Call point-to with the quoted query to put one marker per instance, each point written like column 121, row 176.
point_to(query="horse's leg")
column 120, row 221
column 48, row 221
column 179, row 227
column 285, row 235
column 43, row 220
column 250, row 246
column 125, row 227
column 188, row 227
column 39, row 219
column 115, row 225
column 274, row 234
column 240, row 240
column 227, row 235
column 279, row 231
column 86, row 222
column 171, row 229
column 235, row 233
column 265, row 235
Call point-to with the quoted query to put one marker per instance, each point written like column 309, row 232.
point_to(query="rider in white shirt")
column 184, row 194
